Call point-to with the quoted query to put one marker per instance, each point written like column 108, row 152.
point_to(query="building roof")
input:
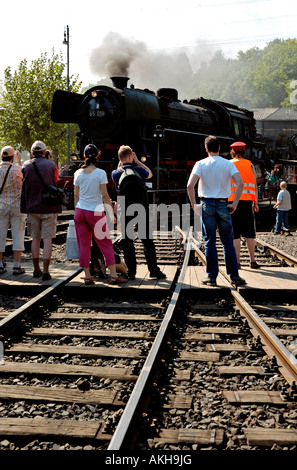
column 260, row 114
column 274, row 114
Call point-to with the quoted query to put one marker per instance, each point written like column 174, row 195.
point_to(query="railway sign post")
column 66, row 42
column 158, row 136
column 1, row 350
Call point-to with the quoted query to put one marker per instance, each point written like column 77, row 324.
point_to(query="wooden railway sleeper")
column 255, row 343
column 135, row 369
column 154, row 428
column 244, row 328
column 288, row 392
column 293, row 391
column 123, row 396
column 107, row 427
column 274, row 364
column 284, row 392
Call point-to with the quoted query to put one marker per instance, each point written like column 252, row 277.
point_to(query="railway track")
column 265, row 255
column 212, row 373
column 75, row 364
column 220, row 388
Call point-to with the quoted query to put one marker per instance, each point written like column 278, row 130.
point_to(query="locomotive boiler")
column 164, row 132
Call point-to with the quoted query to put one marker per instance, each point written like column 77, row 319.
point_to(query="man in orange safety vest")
column 243, row 219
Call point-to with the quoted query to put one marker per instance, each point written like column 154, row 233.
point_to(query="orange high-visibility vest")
column 249, row 188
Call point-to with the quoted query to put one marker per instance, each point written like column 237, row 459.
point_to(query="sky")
column 147, row 29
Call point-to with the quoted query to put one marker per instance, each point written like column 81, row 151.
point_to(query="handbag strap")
column 38, row 173
column 5, row 178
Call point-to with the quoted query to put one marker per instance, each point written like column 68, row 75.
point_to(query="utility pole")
column 66, row 42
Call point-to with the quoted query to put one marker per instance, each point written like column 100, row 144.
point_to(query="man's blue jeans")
column 282, row 220
column 215, row 215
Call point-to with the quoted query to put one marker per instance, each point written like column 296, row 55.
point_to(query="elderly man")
column 214, row 175
column 11, row 180
column 42, row 217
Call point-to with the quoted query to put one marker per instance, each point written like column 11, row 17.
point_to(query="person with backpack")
column 132, row 198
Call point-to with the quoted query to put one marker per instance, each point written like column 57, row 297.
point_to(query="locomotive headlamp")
column 74, row 157
column 158, row 133
column 143, row 159
column 94, row 94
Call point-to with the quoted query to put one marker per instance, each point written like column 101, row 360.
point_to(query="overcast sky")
column 30, row 28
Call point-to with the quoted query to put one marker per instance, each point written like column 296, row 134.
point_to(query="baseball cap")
column 238, row 146
column 38, row 146
column 7, row 151
column 91, row 151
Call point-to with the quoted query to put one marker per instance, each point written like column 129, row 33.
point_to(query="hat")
column 238, row 146
column 6, row 151
column 38, row 146
column 91, row 151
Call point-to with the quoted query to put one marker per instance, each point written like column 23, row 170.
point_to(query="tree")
column 255, row 79
column 275, row 70
column 25, row 104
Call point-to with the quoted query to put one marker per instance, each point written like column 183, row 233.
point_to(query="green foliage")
column 25, row 104
column 255, row 79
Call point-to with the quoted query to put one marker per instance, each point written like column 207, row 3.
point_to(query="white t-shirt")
column 285, row 197
column 215, row 175
column 90, row 197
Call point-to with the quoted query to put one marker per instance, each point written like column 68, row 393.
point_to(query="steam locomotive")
column 167, row 134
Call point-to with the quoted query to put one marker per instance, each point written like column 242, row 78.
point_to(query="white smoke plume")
column 119, row 56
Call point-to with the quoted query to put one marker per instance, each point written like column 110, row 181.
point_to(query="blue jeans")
column 215, row 215
column 282, row 220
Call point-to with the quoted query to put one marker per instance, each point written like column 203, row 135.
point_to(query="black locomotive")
column 166, row 133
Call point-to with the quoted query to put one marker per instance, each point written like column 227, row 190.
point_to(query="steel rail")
column 281, row 254
column 120, row 439
column 274, row 347
column 18, row 314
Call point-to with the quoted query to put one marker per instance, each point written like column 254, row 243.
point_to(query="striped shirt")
column 11, row 194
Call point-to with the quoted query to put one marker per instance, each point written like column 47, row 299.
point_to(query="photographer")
column 42, row 217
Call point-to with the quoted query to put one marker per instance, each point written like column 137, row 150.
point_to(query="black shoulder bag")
column 51, row 194
column 5, row 178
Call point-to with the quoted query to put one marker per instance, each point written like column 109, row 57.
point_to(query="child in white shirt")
column 282, row 206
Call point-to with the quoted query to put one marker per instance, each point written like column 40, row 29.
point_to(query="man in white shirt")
column 214, row 175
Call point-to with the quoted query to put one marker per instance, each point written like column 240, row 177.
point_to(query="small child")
column 283, row 205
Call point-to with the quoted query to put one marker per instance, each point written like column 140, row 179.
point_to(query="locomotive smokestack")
column 120, row 82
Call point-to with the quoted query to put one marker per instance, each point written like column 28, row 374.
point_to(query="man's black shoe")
column 254, row 265
column 158, row 275
column 37, row 273
column 209, row 282
column 238, row 281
